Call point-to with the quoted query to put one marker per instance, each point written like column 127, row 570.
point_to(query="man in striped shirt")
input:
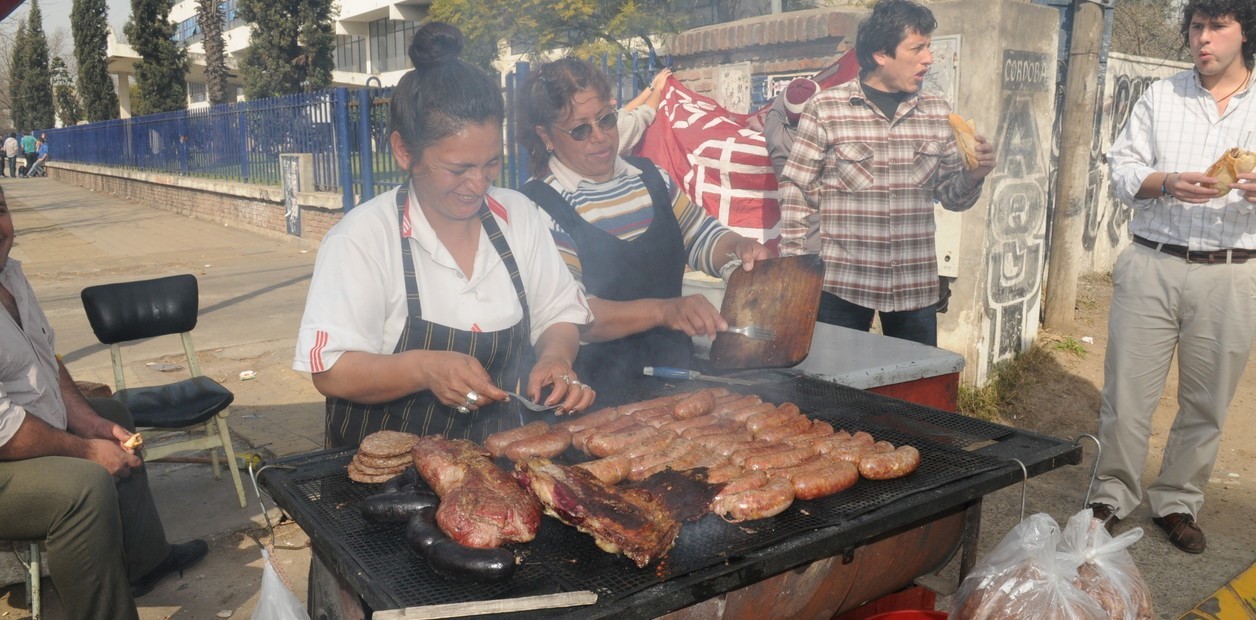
column 870, row 157
column 1188, row 282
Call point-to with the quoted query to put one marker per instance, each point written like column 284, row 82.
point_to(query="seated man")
column 37, row 169
column 65, row 477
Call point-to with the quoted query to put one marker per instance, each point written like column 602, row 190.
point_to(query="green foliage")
column 32, row 82
column 68, row 109
column 585, row 27
column 1070, row 345
column 15, row 76
column 88, row 24
column 291, row 43
column 995, row 400
column 161, row 73
column 209, row 13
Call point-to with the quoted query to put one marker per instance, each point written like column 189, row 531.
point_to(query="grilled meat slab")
column 481, row 506
column 632, row 521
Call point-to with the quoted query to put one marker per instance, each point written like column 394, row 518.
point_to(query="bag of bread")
column 1023, row 578
column 1229, row 166
column 965, row 139
column 1105, row 569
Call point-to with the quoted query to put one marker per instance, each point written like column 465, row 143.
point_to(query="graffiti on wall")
column 1018, row 205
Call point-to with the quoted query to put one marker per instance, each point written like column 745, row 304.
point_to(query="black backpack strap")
column 551, row 202
column 653, row 182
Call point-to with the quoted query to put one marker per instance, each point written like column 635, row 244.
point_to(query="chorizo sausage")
column 662, row 401
column 769, row 500
column 611, row 470
column 782, row 458
column 648, row 462
column 606, row 444
column 744, row 482
column 680, row 426
column 733, row 402
column 656, row 416
column 590, row 420
column 655, row 443
column 694, row 457
column 724, row 473
column 714, row 442
column 545, row 446
column 790, row 428
column 759, row 448
column 745, row 413
column 721, row 426
column 497, row 442
column 694, row 405
column 818, row 429
column 888, row 465
column 824, row 480
column 771, row 418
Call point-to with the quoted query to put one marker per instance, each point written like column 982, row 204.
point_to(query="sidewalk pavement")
column 252, row 294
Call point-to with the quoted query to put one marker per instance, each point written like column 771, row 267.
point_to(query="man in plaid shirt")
column 871, row 156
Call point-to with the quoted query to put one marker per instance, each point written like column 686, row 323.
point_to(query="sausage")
column 694, row 405
column 733, row 402
column 779, row 415
column 590, row 420
column 817, row 430
column 715, row 441
column 790, row 428
column 824, row 480
column 397, row 507
column 887, row 465
column 741, row 415
column 606, row 444
column 744, row 482
column 655, row 443
column 721, row 426
column 497, row 442
column 694, row 457
column 611, row 470
column 452, row 560
column 838, row 441
column 769, row 500
column 656, row 417
column 648, row 462
column 725, row 473
column 580, row 438
column 781, row 458
column 545, row 446
column 616, row 425
column 680, row 426
column 662, row 401
column 759, row 449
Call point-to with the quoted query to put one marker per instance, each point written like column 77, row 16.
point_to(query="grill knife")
column 687, row 375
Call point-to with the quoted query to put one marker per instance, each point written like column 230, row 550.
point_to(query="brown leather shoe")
column 1183, row 532
column 1105, row 513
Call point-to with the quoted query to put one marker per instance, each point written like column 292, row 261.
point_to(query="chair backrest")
column 143, row 309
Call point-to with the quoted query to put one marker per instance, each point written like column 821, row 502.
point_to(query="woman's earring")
column 549, row 149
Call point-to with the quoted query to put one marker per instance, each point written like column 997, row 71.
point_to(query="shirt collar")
column 570, row 180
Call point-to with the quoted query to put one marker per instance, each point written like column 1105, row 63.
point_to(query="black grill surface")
column 322, row 499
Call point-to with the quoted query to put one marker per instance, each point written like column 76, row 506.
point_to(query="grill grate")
column 563, row 559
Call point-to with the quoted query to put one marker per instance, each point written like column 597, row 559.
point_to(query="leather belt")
column 1198, row 256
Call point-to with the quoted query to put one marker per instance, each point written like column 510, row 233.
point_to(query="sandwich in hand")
column 134, row 442
column 965, row 139
column 1229, row 166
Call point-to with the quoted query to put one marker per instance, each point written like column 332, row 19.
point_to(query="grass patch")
column 1070, row 345
column 996, row 400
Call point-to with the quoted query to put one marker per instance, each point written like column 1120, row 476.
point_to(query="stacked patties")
column 382, row 456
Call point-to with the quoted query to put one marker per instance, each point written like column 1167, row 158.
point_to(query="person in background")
column 624, row 227
column 1186, row 287
column 870, row 157
column 41, row 157
column 30, row 145
column 779, row 126
column 11, row 150
column 636, row 115
column 429, row 302
column 65, row 477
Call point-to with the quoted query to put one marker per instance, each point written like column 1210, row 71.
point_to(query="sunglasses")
column 607, row 122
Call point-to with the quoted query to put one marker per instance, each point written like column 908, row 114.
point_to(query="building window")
column 351, row 53
column 389, row 39
column 230, row 15
column 188, row 31
column 198, row 92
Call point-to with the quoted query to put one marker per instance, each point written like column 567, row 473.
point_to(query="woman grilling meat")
column 624, row 228
column 429, row 301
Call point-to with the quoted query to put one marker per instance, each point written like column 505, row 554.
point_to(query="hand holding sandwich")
column 976, row 152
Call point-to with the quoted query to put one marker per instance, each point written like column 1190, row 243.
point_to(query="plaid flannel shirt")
column 873, row 182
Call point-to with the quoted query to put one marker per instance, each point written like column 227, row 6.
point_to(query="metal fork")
column 526, row 402
column 753, row 332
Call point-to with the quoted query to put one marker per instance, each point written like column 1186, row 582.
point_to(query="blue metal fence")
column 345, row 131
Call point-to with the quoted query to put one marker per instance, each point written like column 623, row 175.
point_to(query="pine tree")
column 88, row 24
column 33, row 107
column 17, row 72
column 209, row 13
column 161, row 73
column 291, row 43
column 68, row 109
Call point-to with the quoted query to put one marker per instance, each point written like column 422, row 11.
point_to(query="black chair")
column 131, row 311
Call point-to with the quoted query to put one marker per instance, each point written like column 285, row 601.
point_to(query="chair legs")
column 33, row 576
column 229, row 450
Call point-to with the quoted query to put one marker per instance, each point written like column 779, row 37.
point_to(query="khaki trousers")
column 1161, row 304
column 100, row 533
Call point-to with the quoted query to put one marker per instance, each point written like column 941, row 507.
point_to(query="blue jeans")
column 915, row 325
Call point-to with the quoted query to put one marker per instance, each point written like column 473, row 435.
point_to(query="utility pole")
column 1077, row 133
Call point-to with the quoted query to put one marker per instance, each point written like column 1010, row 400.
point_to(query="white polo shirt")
column 357, row 298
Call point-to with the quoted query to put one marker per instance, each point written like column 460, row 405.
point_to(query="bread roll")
column 1229, row 166
column 134, row 442
column 965, row 139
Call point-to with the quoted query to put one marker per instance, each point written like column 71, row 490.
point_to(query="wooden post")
column 1077, row 133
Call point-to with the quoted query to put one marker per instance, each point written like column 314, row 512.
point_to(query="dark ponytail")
column 443, row 93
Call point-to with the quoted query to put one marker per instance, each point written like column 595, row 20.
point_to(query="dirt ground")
column 1059, row 396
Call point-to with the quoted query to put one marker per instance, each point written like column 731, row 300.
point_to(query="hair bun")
column 435, row 43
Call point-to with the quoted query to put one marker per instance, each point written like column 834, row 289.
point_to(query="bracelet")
column 1164, row 184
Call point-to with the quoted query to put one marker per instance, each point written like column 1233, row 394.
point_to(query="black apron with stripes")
column 506, row 355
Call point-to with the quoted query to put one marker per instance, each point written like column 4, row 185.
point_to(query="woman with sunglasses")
column 431, row 300
column 625, row 229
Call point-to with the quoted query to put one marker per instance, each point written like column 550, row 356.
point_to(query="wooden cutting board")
column 782, row 294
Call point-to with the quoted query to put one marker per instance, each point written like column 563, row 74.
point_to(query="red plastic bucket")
column 910, row 614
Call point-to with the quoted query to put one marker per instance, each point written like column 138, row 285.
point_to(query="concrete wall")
column 257, row 207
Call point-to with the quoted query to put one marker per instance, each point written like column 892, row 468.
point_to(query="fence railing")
column 344, row 130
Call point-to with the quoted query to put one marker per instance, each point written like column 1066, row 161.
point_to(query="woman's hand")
column 660, row 79
column 693, row 315
column 749, row 251
column 458, row 380
column 569, row 393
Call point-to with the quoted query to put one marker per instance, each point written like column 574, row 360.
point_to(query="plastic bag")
column 276, row 601
column 1105, row 569
column 1025, row 577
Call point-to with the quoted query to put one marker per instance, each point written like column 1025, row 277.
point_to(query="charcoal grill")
column 962, row 459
